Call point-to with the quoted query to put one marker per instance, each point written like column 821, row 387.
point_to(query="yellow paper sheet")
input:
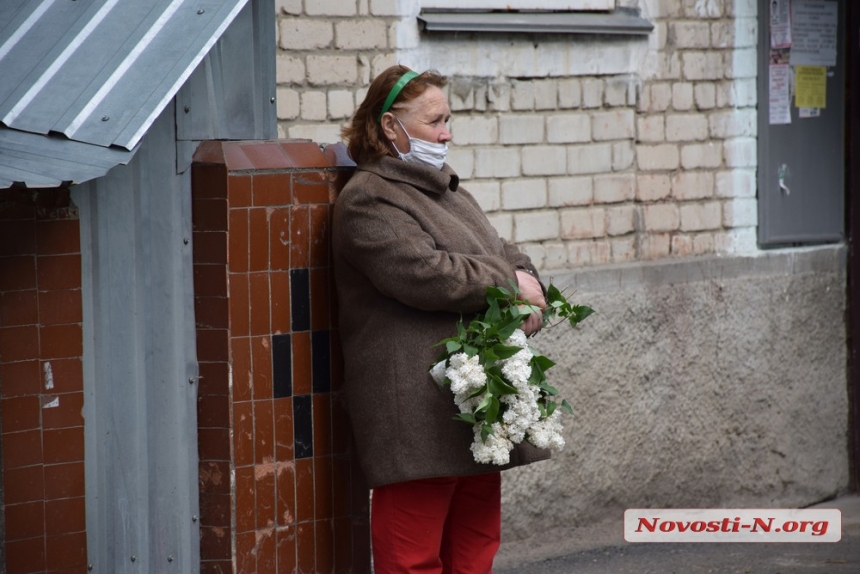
column 811, row 87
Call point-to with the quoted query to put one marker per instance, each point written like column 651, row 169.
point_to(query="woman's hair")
column 365, row 140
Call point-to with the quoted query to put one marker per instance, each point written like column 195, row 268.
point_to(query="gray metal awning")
column 617, row 22
column 83, row 80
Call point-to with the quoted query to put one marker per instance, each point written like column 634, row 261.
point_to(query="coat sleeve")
column 389, row 247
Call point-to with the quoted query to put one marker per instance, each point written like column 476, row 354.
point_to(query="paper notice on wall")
column 780, row 24
column 779, row 97
column 813, row 32
column 805, row 113
column 811, row 87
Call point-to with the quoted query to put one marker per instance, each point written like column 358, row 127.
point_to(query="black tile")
column 321, row 361
column 282, row 366
column 303, row 428
column 300, row 299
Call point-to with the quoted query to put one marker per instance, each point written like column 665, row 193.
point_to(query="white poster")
column 780, row 24
column 779, row 94
column 813, row 32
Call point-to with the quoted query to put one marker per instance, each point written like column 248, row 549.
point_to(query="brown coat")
column 411, row 251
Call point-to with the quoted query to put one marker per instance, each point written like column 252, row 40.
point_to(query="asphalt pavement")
column 603, row 550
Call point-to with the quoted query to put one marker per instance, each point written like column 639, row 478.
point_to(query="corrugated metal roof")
column 95, row 71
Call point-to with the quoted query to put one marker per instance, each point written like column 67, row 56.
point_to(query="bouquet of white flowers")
column 499, row 383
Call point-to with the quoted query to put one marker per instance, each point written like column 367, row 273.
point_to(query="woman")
column 412, row 252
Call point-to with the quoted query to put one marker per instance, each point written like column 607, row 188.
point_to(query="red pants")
column 437, row 525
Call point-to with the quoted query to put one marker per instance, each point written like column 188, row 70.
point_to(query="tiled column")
column 270, row 365
column 41, row 381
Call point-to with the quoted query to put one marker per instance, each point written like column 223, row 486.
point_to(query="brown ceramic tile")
column 261, row 365
column 62, row 410
column 243, row 433
column 215, row 543
column 260, row 321
column 63, row 445
column 17, row 273
column 266, row 155
column 284, row 447
column 66, row 375
column 279, row 238
column 66, row 551
column 241, row 362
column 20, row 414
column 25, row 484
column 25, row 520
column 208, row 181
column 304, row 489
column 264, row 432
column 25, row 555
column 341, row 490
column 213, row 443
column 361, row 545
column 213, row 379
column 310, row 187
column 266, row 562
column 238, row 249
column 22, row 448
column 19, row 343
column 246, row 506
column 56, row 204
column 19, row 308
column 306, row 547
column 343, row 545
column 285, row 476
column 58, row 236
column 259, row 239
column 301, row 363
column 61, row 341
column 320, row 299
column 56, row 272
column 246, row 553
column 280, row 302
column 64, row 480
column 266, row 507
column 340, row 437
column 18, row 238
column 216, row 567
column 65, row 515
column 58, row 307
column 212, row 344
column 210, row 281
column 324, row 546
column 208, row 215
column 271, row 189
column 304, row 154
column 215, row 509
column 240, row 305
column 213, row 411
column 240, row 190
column 323, row 506
column 19, row 379
column 299, row 237
column 322, row 424
column 320, row 235
column 210, row 247
column 214, row 476
column 235, row 157
column 211, row 312
column 208, row 152
column 286, row 549
column 17, row 204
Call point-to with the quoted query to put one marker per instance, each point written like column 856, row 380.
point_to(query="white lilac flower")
column 497, row 448
column 547, row 432
column 465, row 373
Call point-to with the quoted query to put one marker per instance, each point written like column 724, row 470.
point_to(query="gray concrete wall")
column 708, row 382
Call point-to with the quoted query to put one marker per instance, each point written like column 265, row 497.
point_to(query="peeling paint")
column 50, row 402
column 49, row 376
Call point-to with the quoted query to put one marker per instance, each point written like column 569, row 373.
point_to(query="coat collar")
column 425, row 178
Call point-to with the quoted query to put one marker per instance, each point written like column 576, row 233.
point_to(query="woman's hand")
column 530, row 290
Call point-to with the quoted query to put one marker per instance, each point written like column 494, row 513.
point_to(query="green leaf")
column 550, row 408
column 580, row 313
column 453, row 346
column 485, row 403
column 492, row 414
column 486, row 430
column 503, row 352
column 543, row 363
column 466, row 418
column 498, row 387
column 566, row 406
column 549, row 389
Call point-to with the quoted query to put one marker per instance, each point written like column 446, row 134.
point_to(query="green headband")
column 404, row 79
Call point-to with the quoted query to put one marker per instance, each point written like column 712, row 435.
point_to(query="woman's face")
column 425, row 118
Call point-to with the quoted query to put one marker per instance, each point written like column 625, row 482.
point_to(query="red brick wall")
column 270, row 369
column 41, row 382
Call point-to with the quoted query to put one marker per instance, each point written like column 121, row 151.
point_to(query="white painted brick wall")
column 705, row 95
column 583, row 223
column 592, row 93
column 740, row 212
column 661, row 217
column 620, row 220
column 565, row 128
column 321, row 133
column 504, row 225
column 555, row 255
column 536, row 226
column 471, row 130
column 614, row 188
column 702, row 65
column 735, row 183
column 497, row 162
column 288, row 104
column 289, row 70
column 300, row 34
column 332, row 70
column 462, row 160
column 658, row 157
column 487, row 194
column 623, row 250
column 340, row 104
column 653, row 187
column 544, row 160
column 688, row 185
column 686, row 127
column 521, row 129
column 623, row 155
column 313, row 105
column 737, row 93
column 546, row 94
column 361, row 34
column 293, row 7
column 654, row 246
column 651, row 129
column 741, row 152
column 330, row 7
column 614, row 125
column 742, row 63
column 569, row 191
column 690, row 34
column 522, row 95
column 524, row 194
column 593, row 158
column 733, row 123
column 389, row 8
column 569, row 93
column 701, row 216
column 706, row 155
column 682, row 96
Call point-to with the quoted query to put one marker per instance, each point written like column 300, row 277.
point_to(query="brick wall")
column 653, row 156
column 41, row 382
column 271, row 423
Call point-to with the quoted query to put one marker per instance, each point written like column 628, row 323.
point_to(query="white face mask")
column 422, row 152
